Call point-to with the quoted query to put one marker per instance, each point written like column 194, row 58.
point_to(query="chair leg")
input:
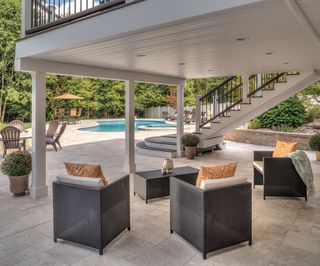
column 204, row 255
column 59, row 144
column 55, row 146
column 4, row 153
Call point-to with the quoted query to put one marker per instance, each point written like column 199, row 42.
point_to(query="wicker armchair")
column 277, row 175
column 210, row 219
column 91, row 216
column 11, row 139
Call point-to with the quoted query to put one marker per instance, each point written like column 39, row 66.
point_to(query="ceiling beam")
column 299, row 14
column 34, row 65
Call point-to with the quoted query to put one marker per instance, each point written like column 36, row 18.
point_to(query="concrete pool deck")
column 285, row 231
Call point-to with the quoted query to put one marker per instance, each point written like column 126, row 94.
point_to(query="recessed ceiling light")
column 141, row 55
column 240, row 39
column 210, row 70
column 181, row 64
column 286, row 63
column 269, row 53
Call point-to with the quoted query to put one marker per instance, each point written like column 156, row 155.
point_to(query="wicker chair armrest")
column 187, row 196
column 259, row 155
column 279, row 171
column 114, row 193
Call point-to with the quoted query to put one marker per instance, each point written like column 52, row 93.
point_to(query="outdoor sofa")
column 277, row 175
column 210, row 219
column 91, row 216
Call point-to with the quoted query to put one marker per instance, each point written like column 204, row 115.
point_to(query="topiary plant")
column 314, row 142
column 17, row 164
column 190, row 140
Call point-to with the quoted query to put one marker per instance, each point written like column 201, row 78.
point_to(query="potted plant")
column 17, row 166
column 314, row 144
column 190, row 142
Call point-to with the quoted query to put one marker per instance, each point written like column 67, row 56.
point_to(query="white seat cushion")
column 222, row 182
column 81, row 181
column 259, row 166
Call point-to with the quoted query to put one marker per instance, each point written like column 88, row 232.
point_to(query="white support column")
column 25, row 16
column 180, row 109
column 38, row 186
column 198, row 113
column 246, row 89
column 130, row 165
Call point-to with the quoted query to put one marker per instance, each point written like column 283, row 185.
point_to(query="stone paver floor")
column 285, row 231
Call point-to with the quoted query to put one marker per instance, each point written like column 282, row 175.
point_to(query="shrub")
column 291, row 113
column 17, row 164
column 254, row 124
column 314, row 112
column 190, row 140
column 283, row 128
column 314, row 142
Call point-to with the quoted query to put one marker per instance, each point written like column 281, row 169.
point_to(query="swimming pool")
column 119, row 125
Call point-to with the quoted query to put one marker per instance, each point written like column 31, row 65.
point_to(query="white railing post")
column 259, row 83
column 25, row 16
column 245, row 88
column 198, row 113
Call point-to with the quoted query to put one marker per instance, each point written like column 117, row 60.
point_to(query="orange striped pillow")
column 216, row 171
column 85, row 170
column 283, row 148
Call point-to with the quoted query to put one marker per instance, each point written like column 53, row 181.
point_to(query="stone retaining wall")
column 267, row 138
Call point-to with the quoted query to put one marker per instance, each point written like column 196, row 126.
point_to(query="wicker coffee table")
column 152, row 184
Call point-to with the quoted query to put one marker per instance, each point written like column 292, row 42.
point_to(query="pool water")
column 119, row 126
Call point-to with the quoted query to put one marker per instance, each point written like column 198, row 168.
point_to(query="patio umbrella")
column 68, row 96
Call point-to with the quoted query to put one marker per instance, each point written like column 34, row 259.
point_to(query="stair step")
column 245, row 103
column 161, row 143
column 256, row 97
column 153, row 151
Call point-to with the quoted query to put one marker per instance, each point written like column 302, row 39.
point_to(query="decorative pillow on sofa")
column 86, row 170
column 216, row 171
column 283, row 148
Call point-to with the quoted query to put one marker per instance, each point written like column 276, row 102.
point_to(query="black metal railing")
column 49, row 13
column 228, row 95
column 221, row 100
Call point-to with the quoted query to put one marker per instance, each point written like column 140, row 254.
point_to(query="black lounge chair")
column 210, row 219
column 91, row 216
column 277, row 175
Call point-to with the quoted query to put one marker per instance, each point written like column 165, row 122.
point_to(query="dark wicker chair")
column 56, row 140
column 278, row 176
column 91, row 216
column 210, row 219
column 11, row 139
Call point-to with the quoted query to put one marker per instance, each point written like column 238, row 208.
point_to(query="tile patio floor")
column 285, row 231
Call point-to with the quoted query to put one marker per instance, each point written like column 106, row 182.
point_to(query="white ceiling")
column 209, row 43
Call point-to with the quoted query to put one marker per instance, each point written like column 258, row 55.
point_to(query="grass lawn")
column 26, row 125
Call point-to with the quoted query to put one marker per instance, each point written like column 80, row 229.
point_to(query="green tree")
column 14, row 87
